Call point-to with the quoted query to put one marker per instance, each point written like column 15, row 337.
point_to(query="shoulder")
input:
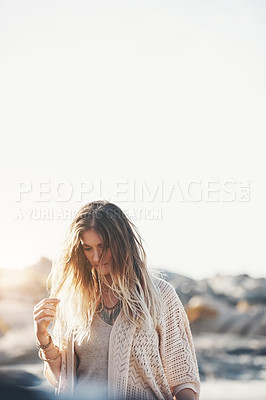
column 171, row 308
column 166, row 290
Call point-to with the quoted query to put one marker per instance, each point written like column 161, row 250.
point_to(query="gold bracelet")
column 50, row 348
column 49, row 359
column 44, row 346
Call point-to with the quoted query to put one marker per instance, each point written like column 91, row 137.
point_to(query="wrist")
column 48, row 350
column 43, row 357
column 41, row 334
column 43, row 340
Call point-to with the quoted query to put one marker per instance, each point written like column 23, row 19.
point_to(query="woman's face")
column 93, row 246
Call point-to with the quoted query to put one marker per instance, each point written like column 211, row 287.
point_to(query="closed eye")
column 100, row 246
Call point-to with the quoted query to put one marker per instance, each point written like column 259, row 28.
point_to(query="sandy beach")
column 233, row 390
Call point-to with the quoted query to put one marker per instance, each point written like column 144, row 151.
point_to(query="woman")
column 115, row 324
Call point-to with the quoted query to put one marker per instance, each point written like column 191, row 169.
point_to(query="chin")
column 104, row 270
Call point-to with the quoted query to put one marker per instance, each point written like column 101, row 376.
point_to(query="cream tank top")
column 92, row 366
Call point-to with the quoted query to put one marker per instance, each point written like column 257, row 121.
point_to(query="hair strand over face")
column 78, row 284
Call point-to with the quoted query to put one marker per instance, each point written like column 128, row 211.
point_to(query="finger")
column 46, row 303
column 52, row 300
column 44, row 307
column 44, row 313
column 45, row 319
column 48, row 300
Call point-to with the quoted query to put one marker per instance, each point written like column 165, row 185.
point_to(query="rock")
column 230, row 356
column 258, row 326
column 19, row 377
column 241, row 287
column 198, row 309
column 43, row 266
column 209, row 314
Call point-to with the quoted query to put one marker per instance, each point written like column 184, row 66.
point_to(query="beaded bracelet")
column 44, row 346
column 49, row 359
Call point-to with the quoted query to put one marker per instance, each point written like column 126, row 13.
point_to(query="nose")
column 96, row 256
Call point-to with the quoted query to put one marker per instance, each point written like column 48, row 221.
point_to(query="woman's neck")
column 108, row 296
column 109, row 279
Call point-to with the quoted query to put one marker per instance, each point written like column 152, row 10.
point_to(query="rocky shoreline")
column 227, row 316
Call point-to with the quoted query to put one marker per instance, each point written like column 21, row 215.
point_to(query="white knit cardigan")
column 160, row 359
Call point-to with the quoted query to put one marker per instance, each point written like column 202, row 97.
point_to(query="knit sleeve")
column 62, row 384
column 49, row 376
column 176, row 343
column 68, row 365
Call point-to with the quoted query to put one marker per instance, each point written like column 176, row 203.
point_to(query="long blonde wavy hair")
column 77, row 283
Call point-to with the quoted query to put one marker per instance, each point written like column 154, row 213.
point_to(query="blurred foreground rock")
column 19, row 377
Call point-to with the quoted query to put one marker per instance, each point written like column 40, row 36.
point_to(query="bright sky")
column 155, row 105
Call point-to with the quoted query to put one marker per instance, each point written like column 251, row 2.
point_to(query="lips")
column 96, row 266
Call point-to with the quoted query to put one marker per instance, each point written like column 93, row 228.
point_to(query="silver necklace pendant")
column 107, row 314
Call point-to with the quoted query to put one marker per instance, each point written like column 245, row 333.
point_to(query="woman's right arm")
column 43, row 315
